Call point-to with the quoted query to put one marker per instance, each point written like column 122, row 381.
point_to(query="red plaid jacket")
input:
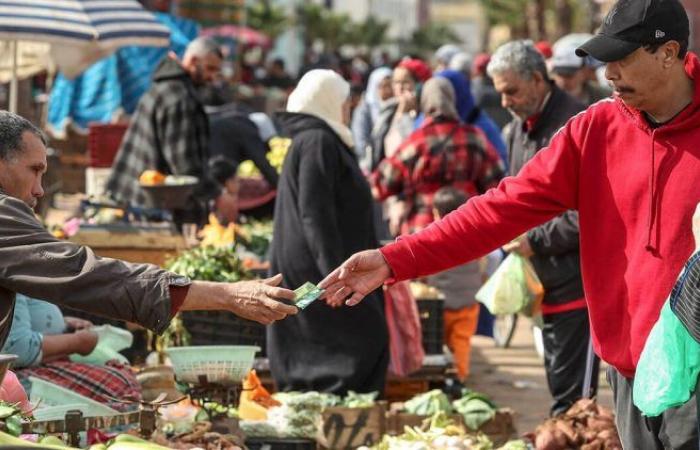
column 440, row 153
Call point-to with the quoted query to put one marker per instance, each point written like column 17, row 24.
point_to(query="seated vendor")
column 43, row 339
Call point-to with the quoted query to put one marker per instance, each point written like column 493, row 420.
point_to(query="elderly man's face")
column 521, row 96
column 637, row 77
column 21, row 174
column 205, row 70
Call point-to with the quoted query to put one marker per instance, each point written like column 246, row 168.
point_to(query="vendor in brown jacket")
column 34, row 263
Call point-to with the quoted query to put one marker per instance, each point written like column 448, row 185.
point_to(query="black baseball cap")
column 632, row 24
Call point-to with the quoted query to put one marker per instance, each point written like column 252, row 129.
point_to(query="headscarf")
column 462, row 62
column 419, row 69
column 372, row 95
column 463, row 94
column 481, row 62
column 445, row 53
column 438, row 99
column 321, row 93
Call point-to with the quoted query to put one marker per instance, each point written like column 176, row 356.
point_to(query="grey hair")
column 12, row 128
column 462, row 62
column 203, row 46
column 520, row 57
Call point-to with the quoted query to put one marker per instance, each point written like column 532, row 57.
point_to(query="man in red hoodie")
column 630, row 167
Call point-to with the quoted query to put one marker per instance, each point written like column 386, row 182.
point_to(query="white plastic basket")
column 222, row 364
column 52, row 396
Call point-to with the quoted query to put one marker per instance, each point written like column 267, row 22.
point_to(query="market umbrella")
column 80, row 31
column 244, row 35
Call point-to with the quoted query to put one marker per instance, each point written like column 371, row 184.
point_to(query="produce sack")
column 668, row 368
column 405, row 333
column 513, row 288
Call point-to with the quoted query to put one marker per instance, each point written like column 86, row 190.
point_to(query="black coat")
column 556, row 243
column 323, row 215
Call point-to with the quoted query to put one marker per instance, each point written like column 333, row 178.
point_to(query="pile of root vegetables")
column 586, row 426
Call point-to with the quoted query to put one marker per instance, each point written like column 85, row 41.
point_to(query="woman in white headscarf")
column 323, row 214
column 379, row 91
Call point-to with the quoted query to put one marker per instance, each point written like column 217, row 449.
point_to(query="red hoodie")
column 635, row 189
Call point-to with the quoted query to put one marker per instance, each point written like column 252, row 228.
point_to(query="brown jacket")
column 34, row 263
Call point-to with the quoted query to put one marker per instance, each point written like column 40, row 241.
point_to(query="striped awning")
column 80, row 31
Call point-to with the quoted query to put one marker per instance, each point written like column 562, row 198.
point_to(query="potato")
column 567, row 429
column 545, row 440
column 608, row 434
column 595, row 445
column 589, row 436
column 599, row 424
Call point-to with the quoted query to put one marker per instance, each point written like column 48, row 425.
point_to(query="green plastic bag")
column 110, row 341
column 513, row 287
column 667, row 372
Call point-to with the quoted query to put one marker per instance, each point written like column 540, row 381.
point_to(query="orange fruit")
column 151, row 178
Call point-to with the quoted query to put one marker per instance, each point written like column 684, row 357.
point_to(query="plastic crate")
column 51, row 396
column 432, row 323
column 222, row 364
column 104, row 141
column 223, row 328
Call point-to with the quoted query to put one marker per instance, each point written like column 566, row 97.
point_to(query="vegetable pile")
column 476, row 409
column 586, row 426
column 210, row 264
column 297, row 415
column 201, row 437
column 441, row 433
column 255, row 236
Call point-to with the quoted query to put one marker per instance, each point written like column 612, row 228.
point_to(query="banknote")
column 307, row 294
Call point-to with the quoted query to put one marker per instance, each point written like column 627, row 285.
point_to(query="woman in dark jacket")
column 323, row 215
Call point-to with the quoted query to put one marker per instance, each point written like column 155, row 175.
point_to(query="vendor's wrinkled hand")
column 260, row 301
column 361, row 274
column 521, row 246
column 75, row 323
column 696, row 227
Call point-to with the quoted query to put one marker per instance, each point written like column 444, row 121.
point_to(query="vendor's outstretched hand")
column 361, row 274
column 260, row 301
column 696, row 227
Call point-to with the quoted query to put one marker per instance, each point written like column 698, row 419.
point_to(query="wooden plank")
column 97, row 239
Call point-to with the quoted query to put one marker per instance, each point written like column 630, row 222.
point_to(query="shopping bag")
column 667, row 371
column 111, row 340
column 405, row 332
column 514, row 287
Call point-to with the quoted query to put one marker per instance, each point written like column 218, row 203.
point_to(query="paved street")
column 514, row 377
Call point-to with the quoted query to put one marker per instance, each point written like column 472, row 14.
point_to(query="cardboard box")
column 347, row 428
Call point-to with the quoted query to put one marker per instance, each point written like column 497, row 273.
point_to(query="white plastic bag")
column 513, row 288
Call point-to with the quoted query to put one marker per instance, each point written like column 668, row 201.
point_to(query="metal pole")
column 14, row 82
column 590, row 364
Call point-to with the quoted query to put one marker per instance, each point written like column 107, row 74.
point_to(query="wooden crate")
column 347, row 428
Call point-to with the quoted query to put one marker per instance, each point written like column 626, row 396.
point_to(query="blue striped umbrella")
column 110, row 24
column 80, row 31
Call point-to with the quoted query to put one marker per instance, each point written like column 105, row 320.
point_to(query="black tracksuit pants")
column 565, row 336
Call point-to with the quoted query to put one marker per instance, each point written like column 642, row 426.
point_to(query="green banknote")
column 307, row 294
